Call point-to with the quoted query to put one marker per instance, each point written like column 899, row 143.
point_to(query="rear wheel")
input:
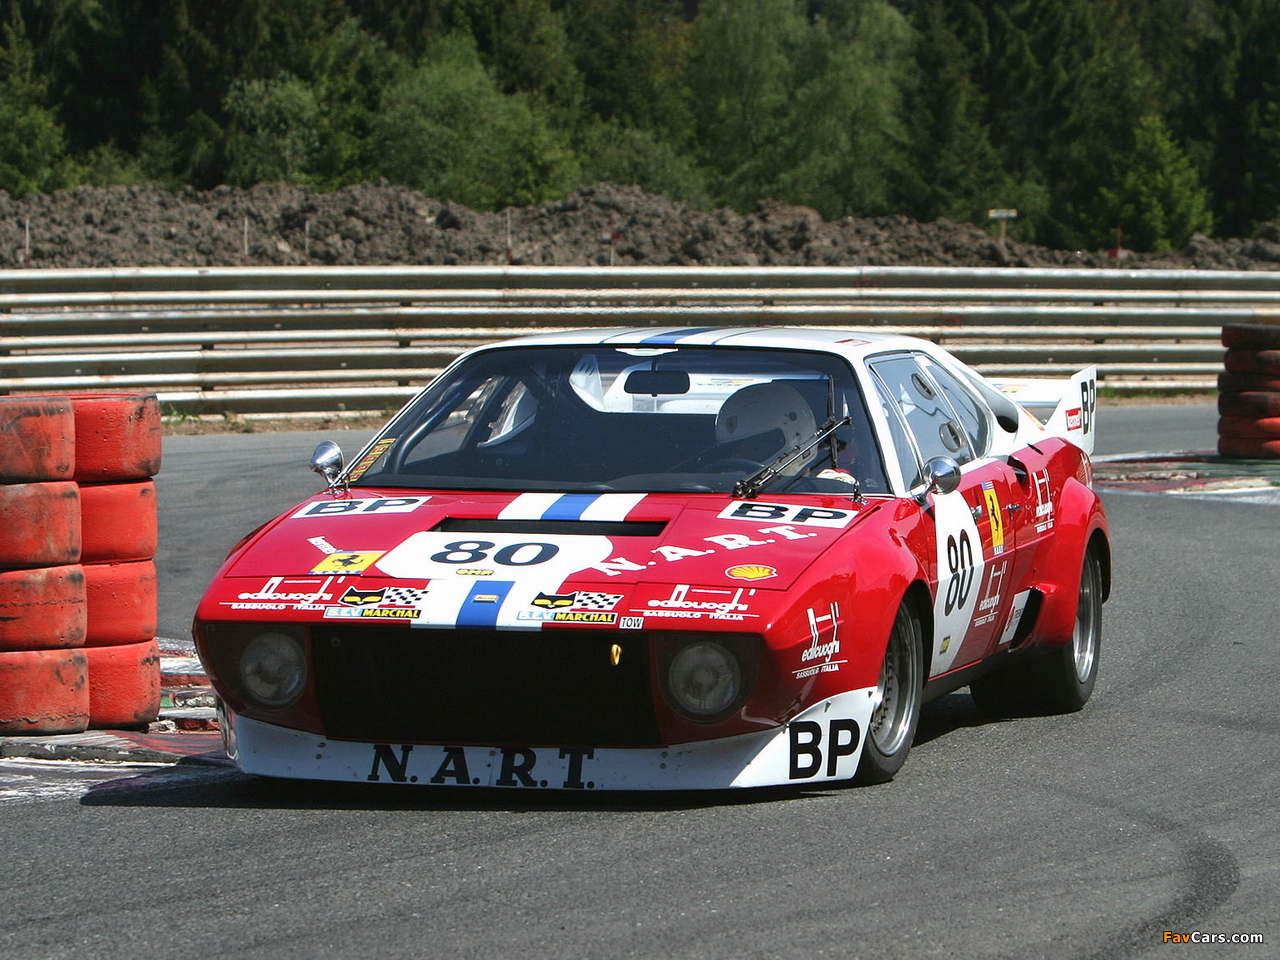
column 1061, row 680
column 1067, row 677
column 893, row 722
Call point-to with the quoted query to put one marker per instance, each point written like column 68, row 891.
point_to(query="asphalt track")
column 1148, row 815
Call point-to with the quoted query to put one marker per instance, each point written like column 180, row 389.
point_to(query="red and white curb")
column 187, row 726
column 186, row 698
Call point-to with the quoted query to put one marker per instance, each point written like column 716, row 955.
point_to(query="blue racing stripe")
column 483, row 604
column 674, row 335
column 570, row 506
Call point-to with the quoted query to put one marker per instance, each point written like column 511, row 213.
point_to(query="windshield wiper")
column 750, row 487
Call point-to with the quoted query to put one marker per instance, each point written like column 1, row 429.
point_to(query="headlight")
column 704, row 680
column 273, row 670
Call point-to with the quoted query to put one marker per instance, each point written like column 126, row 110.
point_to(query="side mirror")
column 941, row 475
column 328, row 462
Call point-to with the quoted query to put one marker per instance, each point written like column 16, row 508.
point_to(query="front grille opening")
column 534, row 688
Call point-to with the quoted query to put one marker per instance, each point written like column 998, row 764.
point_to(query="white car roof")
column 851, row 343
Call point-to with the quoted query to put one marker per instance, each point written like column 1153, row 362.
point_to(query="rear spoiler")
column 1066, row 408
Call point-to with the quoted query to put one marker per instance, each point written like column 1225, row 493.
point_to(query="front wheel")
column 899, row 692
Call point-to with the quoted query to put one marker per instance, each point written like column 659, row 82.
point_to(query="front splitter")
column 821, row 745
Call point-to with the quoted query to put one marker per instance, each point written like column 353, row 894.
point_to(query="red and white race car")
column 668, row 559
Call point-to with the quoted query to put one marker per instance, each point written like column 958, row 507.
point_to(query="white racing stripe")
column 571, row 506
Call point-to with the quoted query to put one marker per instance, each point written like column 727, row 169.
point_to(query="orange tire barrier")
column 1264, row 428
column 77, row 639
column 118, row 521
column 124, row 685
column 118, row 437
column 38, row 439
column 1249, row 392
column 39, row 524
column 42, row 609
column 1249, row 448
column 120, row 600
column 44, row 691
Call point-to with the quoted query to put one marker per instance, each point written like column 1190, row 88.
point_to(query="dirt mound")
column 275, row 224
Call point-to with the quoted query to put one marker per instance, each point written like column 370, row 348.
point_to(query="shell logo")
column 750, row 571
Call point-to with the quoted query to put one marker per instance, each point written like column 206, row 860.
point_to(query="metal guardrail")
column 272, row 341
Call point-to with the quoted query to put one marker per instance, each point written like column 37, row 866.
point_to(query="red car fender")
column 1081, row 520
column 881, row 568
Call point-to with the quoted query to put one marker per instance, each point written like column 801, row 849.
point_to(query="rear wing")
column 1066, row 408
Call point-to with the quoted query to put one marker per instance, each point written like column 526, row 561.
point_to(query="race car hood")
column 525, row 552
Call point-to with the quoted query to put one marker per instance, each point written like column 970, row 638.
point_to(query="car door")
column 932, row 414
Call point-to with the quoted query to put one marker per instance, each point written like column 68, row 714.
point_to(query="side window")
column 967, row 409
column 903, row 449
column 929, row 417
column 514, row 413
column 494, row 411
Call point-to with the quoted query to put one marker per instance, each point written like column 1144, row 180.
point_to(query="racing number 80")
column 960, row 568
column 512, row 555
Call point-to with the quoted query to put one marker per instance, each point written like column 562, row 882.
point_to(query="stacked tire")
column 78, row 620
column 118, row 440
column 1249, row 392
column 44, row 676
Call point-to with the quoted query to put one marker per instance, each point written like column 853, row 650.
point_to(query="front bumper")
column 821, row 745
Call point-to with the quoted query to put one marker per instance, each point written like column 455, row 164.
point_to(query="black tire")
column 893, row 723
column 1250, row 336
column 1252, row 361
column 1250, row 403
column 1060, row 680
column 1248, row 382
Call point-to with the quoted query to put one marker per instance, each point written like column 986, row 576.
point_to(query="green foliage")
column 953, row 169
column 800, row 109
column 107, row 165
column 1162, row 116
column 32, row 147
column 740, row 76
column 613, row 153
column 274, row 132
column 445, row 128
column 634, row 54
column 1157, row 199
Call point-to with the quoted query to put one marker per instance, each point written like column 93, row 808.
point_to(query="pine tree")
column 953, row 169
column 1157, row 200
column 33, row 156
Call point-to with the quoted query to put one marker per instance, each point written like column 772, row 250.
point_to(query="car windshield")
column 601, row 418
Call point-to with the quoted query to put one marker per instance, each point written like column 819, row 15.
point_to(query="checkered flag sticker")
column 596, row 601
column 403, row 596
